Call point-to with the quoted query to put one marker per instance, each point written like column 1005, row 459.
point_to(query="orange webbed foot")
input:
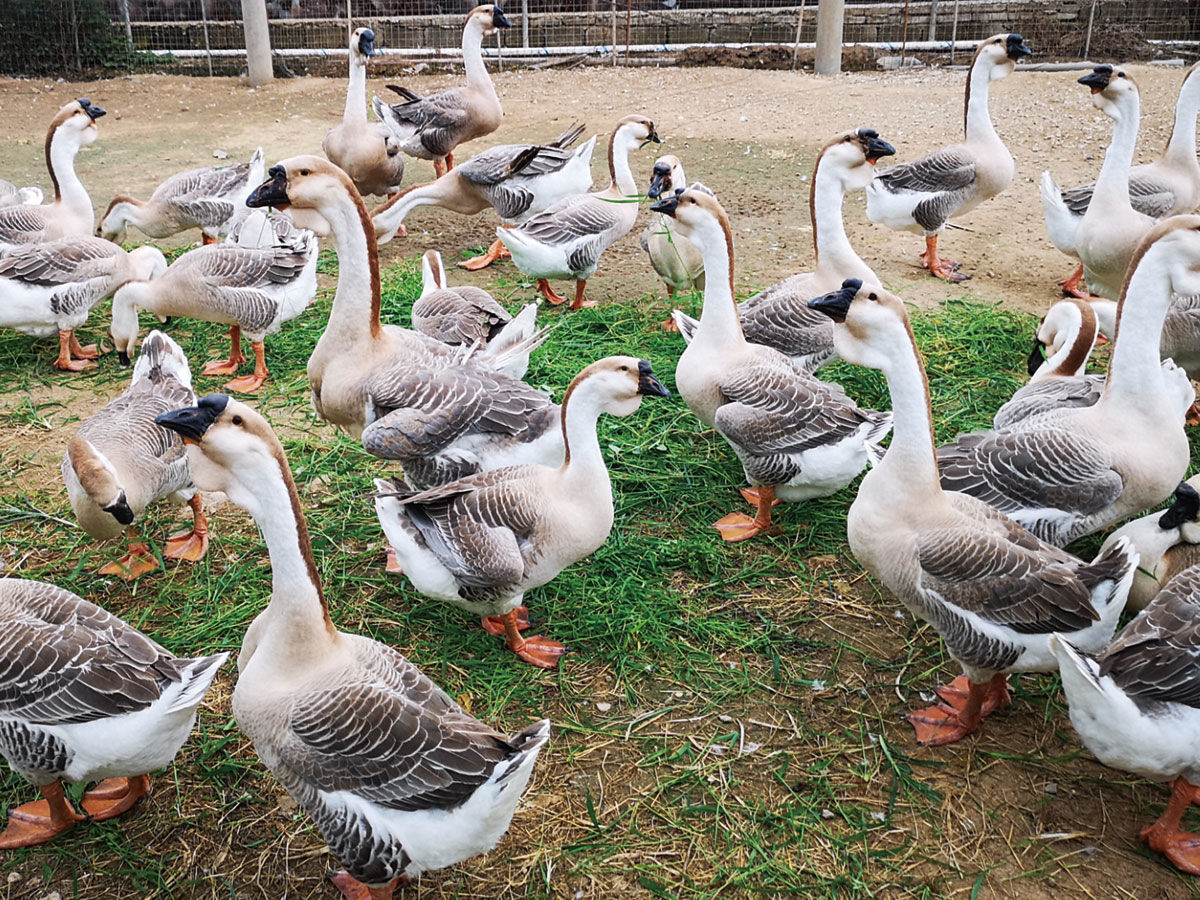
column 247, row 384
column 393, row 563
column 353, row 889
column 1192, row 416
column 113, row 796
column 137, row 562
column 73, row 365
column 32, row 824
column 669, row 325
column 188, row 545
column 495, row 624
column 221, row 367
column 496, row 251
column 752, row 496
column 540, row 651
column 957, row 693
column 89, row 352
column 939, row 725
column 548, row 292
column 1182, row 848
column 737, row 527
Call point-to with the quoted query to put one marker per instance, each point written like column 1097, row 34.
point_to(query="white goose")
column 483, row 542
column 779, row 317
column 993, row 591
column 1180, row 335
column 211, row 199
column 1166, row 187
column 119, row 461
column 923, row 196
column 398, row 779
column 50, row 288
column 86, row 697
column 797, row 437
column 1136, row 706
column 567, row 239
column 675, row 259
column 10, row 194
column 70, row 213
column 1071, row 472
column 1167, row 543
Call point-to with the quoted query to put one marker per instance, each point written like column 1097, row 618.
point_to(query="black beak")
column 499, row 20
column 661, row 181
column 1183, row 509
column 1016, row 48
column 648, row 384
column 191, row 422
column 653, row 136
column 119, row 510
column 1098, row 78
column 837, row 303
column 877, row 148
column 668, row 205
column 366, row 43
column 94, row 112
column 273, row 191
column 123, row 358
column 1037, row 356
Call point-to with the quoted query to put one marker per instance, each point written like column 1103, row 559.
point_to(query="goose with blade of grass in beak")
column 1167, row 543
column 675, row 258
column 797, row 437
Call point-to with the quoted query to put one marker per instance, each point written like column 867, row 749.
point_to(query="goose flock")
column 496, row 489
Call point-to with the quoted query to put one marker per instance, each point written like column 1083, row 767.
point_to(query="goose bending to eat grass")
column 1167, row 542
column 483, row 542
column 86, row 697
column 396, row 776
column 996, row 593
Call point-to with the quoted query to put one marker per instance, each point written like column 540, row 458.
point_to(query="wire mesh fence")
column 309, row 36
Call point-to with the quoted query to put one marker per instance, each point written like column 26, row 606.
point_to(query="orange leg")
column 190, row 545
column 439, row 167
column 64, row 361
column 1071, row 288
column 579, row 302
column 449, row 160
column 206, row 239
column 250, row 383
column 138, row 561
column 537, row 650
column 670, row 325
column 37, row 822
column 1165, row 836
column 496, row 251
column 80, row 352
column 1192, row 417
column 495, row 624
column 739, row 526
column 353, row 889
column 227, row 366
column 393, row 563
column 546, row 291
column 945, row 269
column 113, row 796
column 959, row 715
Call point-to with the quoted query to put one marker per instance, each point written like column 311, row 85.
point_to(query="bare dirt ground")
column 1052, row 824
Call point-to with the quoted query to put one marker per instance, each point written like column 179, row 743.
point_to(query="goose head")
column 99, row 479
column 615, row 385
column 488, row 18
column 306, row 182
column 77, row 120
column 362, row 45
column 1000, row 54
column 700, row 217
column 433, row 273
column 1183, row 514
column 632, row 133
column 851, row 157
column 1065, row 335
column 666, row 176
column 1113, row 90
column 872, row 324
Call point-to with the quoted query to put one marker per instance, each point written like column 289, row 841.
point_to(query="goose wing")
column 461, row 315
column 950, row 169
column 438, row 118
column 67, row 660
column 1148, row 195
column 203, row 182
column 779, row 317
column 1157, row 656
column 21, row 224
column 583, row 226
column 238, row 277
column 1049, row 394
column 83, row 269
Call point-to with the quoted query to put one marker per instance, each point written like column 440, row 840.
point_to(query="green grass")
column 699, row 648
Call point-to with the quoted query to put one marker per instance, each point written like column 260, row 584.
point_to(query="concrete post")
column 829, row 36
column 258, row 41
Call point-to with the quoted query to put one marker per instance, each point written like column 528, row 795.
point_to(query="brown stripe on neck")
column 1160, row 230
column 812, row 200
column 302, row 537
column 612, row 166
column 967, row 98
column 1085, row 337
column 368, row 228
column 62, row 116
column 120, row 198
column 395, row 198
column 723, row 218
column 563, row 416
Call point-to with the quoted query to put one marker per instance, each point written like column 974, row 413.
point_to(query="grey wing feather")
column 1148, row 195
column 21, row 224
column 204, row 182
column 780, row 318
column 1048, row 394
column 437, row 118
column 462, row 315
column 945, row 170
column 207, row 211
column 65, row 261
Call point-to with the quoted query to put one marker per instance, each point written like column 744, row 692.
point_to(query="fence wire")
column 309, row 36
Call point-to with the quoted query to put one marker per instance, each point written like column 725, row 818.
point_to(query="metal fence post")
column 799, row 26
column 829, row 36
column 524, row 23
column 204, row 25
column 614, row 31
column 125, row 16
column 1087, row 43
column 258, row 41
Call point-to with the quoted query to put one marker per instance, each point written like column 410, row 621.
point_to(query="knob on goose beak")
column 1037, row 356
column 1183, row 509
column 192, row 422
column 877, row 148
column 660, row 181
column 272, row 192
column 1015, row 47
column 648, row 384
column 668, row 205
column 94, row 112
column 499, row 20
column 1098, row 78
column 837, row 303
column 366, row 43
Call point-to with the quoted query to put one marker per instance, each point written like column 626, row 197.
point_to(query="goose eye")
column 624, row 368
column 872, row 296
column 304, row 171
column 237, row 420
column 1120, row 74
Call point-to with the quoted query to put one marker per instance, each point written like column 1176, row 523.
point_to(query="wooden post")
column 614, row 31
column 258, row 41
column 524, row 23
column 799, row 26
column 125, row 16
column 932, row 36
column 628, row 27
column 204, row 25
column 1087, row 43
column 954, row 33
column 349, row 18
column 829, row 36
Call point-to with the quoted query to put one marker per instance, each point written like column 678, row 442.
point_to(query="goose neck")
column 584, row 463
column 978, row 120
column 829, row 231
column 356, row 301
column 1135, row 373
column 472, row 50
column 60, row 160
column 1113, row 180
column 356, row 92
column 719, row 322
column 911, row 460
column 618, row 164
column 1181, row 148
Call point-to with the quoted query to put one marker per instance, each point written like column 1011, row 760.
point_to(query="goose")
column 396, row 776
column 86, row 697
column 366, row 151
column 70, row 213
column 210, row 198
column 443, row 412
column 674, row 258
column 779, row 317
column 1110, row 230
column 1166, row 542
column 470, row 316
column 1068, row 332
column 10, row 194
column 1136, row 706
column 518, row 181
column 432, row 127
column 483, row 542
column 797, row 437
column 50, row 288
column 119, row 462
column 1071, row 472
column 993, row 591
column 247, row 287
column 923, row 196
column 567, row 239
column 1180, row 335
column 1168, row 186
